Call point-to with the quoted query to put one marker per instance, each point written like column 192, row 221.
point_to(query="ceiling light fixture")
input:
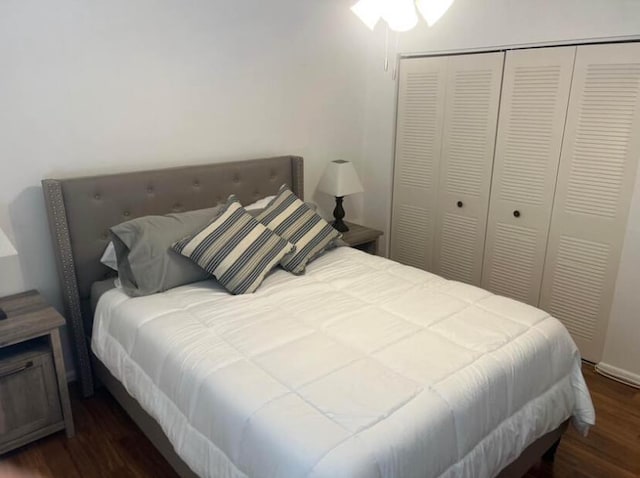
column 400, row 15
column 368, row 11
column 432, row 10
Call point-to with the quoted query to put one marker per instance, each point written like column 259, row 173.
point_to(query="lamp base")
column 338, row 215
column 3, row 314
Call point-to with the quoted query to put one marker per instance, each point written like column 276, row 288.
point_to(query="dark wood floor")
column 108, row 444
column 612, row 448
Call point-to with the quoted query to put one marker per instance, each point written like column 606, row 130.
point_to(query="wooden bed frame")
column 81, row 211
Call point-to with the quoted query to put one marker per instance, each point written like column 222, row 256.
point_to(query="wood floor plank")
column 109, row 445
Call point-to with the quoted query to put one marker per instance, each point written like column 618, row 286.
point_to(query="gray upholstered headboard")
column 81, row 211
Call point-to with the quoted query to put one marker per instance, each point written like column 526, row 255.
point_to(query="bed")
column 361, row 367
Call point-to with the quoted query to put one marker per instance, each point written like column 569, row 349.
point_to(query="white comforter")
column 360, row 368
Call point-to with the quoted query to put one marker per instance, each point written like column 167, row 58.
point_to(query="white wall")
column 97, row 87
column 622, row 347
column 477, row 24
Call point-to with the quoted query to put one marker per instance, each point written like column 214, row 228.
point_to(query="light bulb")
column 400, row 15
column 432, row 10
column 369, row 11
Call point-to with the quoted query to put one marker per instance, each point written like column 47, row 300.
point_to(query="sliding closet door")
column 469, row 134
column 535, row 94
column 595, row 182
column 418, row 139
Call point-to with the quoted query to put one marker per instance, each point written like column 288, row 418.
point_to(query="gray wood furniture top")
column 361, row 237
column 34, row 398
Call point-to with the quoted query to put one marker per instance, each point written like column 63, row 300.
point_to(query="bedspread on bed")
column 362, row 368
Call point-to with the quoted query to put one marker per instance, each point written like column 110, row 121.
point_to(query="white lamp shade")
column 6, row 248
column 369, row 11
column 400, row 15
column 432, row 10
column 340, row 179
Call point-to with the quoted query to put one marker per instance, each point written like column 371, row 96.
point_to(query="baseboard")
column 619, row 374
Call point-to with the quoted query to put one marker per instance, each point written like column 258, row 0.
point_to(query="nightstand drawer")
column 29, row 402
column 362, row 238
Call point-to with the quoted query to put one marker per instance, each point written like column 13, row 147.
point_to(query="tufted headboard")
column 81, row 211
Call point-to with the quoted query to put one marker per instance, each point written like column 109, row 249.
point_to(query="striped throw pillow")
column 295, row 221
column 235, row 248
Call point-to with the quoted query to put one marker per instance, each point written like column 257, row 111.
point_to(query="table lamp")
column 340, row 179
column 6, row 250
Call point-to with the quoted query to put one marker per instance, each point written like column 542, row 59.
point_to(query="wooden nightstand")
column 361, row 237
column 34, row 398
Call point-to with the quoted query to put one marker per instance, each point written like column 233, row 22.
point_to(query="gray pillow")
column 146, row 262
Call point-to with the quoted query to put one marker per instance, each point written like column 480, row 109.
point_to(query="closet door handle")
column 516, row 213
column 459, row 204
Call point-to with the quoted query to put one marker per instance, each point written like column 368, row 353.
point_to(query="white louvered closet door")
column 469, row 134
column 535, row 94
column 418, row 139
column 595, row 181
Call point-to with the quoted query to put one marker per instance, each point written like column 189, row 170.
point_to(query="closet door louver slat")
column 595, row 183
column 470, row 121
column 535, row 94
column 419, row 133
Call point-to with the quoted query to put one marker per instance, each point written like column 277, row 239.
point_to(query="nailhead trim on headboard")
column 66, row 271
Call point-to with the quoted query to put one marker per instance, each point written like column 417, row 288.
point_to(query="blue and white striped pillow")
column 295, row 221
column 235, row 248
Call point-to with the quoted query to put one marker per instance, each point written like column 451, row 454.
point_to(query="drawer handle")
column 459, row 204
column 516, row 213
column 27, row 365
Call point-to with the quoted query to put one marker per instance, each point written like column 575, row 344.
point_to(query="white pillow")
column 109, row 258
column 259, row 204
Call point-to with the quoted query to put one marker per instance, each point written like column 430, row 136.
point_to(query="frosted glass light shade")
column 400, row 15
column 432, row 10
column 369, row 11
column 6, row 248
column 340, row 179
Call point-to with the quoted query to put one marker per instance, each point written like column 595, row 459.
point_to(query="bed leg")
column 550, row 454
